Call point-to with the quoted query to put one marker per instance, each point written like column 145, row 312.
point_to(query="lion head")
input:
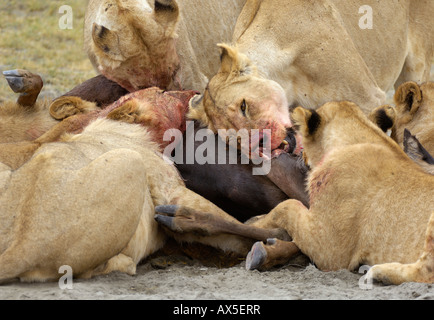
column 134, row 44
column 237, row 97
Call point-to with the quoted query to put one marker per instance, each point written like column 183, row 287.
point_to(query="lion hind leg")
column 120, row 262
column 397, row 273
column 13, row 264
column 420, row 271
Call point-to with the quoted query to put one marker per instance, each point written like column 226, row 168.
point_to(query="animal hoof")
column 169, row 209
column 165, row 221
column 23, row 81
column 15, row 80
column 14, row 73
column 256, row 256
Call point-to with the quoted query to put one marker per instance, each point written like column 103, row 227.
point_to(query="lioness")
column 145, row 43
column 88, row 201
column 414, row 111
column 369, row 203
column 317, row 52
column 411, row 121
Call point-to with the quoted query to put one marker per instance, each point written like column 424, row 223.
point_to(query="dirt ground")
column 194, row 281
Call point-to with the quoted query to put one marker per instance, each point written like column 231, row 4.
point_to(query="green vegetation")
column 30, row 38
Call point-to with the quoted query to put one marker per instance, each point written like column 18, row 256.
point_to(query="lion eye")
column 243, row 107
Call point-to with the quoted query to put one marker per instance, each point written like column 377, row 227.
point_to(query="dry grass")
column 30, row 38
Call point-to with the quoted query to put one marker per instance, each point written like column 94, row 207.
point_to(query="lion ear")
column 384, row 117
column 234, row 62
column 306, row 121
column 408, row 98
column 166, row 13
column 107, row 41
column 196, row 111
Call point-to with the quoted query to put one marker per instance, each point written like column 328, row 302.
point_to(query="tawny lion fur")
column 317, row 52
column 28, row 119
column 414, row 111
column 370, row 204
column 18, row 123
column 88, row 201
column 144, row 43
